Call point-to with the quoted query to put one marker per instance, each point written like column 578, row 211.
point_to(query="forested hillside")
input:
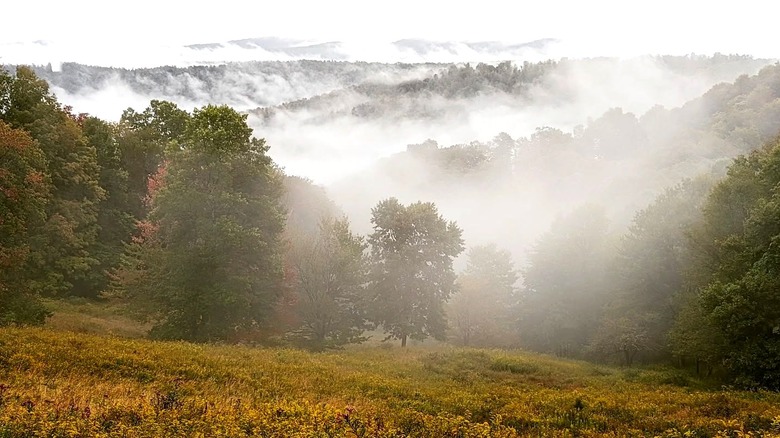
column 448, row 91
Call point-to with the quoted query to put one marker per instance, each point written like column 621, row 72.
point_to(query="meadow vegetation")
column 58, row 383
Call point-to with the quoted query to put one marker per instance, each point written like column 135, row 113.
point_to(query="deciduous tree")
column 209, row 261
column 412, row 249
column 62, row 258
column 24, row 189
column 331, row 275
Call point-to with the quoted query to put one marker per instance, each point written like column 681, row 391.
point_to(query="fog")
column 333, row 147
column 106, row 92
column 324, row 147
column 323, row 140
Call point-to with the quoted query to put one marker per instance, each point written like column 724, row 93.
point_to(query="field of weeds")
column 64, row 384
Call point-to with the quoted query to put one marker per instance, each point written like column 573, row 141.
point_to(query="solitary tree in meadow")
column 412, row 249
column 329, row 284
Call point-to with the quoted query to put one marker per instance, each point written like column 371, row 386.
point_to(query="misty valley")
column 570, row 247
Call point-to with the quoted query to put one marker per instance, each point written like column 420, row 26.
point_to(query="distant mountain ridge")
column 289, row 47
column 340, row 50
column 425, row 47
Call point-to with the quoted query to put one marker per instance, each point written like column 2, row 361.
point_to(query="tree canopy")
column 24, row 191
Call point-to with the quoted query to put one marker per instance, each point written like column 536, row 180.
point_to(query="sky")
column 145, row 32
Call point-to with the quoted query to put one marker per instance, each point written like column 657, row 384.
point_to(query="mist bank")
column 509, row 189
column 330, row 119
column 328, row 136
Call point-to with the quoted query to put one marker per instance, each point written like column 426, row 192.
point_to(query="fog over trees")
column 618, row 211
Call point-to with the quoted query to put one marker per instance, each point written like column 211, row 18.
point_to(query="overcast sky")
column 92, row 30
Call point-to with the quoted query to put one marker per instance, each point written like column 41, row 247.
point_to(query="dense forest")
column 450, row 87
column 662, row 246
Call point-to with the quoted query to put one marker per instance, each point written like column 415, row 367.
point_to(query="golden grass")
column 96, row 317
column 69, row 384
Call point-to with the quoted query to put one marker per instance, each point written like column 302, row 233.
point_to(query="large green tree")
column 61, row 257
column 207, row 263
column 24, row 189
column 412, row 249
column 737, row 272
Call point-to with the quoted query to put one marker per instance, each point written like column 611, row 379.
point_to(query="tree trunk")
column 403, row 341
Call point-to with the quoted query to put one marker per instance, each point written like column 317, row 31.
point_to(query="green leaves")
column 739, row 295
column 412, row 249
column 24, row 189
column 219, row 130
column 60, row 249
column 212, row 266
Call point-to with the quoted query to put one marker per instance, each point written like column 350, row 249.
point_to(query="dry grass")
column 69, row 384
column 94, row 317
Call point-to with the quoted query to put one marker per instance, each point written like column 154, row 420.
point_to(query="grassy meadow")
column 56, row 383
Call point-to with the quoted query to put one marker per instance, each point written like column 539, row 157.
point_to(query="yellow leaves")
column 80, row 385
